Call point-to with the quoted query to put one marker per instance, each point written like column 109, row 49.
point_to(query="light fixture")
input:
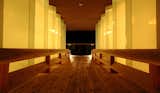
column 80, row 4
column 69, row 44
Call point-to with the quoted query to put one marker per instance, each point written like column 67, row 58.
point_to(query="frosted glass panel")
column 128, row 25
column 144, row 23
column 143, row 28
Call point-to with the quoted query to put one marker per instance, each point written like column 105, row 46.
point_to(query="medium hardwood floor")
column 79, row 76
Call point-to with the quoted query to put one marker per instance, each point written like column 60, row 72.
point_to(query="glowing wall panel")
column 51, row 27
column 63, row 35
column 103, row 28
column 16, row 17
column 108, row 32
column 1, row 23
column 135, row 26
column 120, row 23
column 98, row 35
column 41, row 19
column 119, row 13
column 56, row 30
column 143, row 28
column 27, row 24
column 24, row 23
column 104, row 31
column 144, row 23
column 128, row 25
column 15, row 32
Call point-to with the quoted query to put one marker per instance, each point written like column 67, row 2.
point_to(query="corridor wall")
column 133, row 26
column 104, row 30
column 52, row 33
column 56, row 30
column 1, row 23
column 63, row 35
column 15, row 27
column 61, row 28
column 143, row 28
column 26, row 24
column 40, row 26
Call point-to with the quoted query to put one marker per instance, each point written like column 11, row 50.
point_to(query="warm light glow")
column 71, row 58
column 80, row 4
column 53, row 31
column 108, row 33
column 89, row 58
column 92, row 44
column 152, row 22
column 69, row 44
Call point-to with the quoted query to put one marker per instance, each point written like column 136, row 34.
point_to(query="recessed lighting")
column 80, row 4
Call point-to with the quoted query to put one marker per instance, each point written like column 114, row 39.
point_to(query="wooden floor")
column 79, row 76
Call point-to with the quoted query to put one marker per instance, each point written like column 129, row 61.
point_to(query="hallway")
column 78, row 76
column 36, row 51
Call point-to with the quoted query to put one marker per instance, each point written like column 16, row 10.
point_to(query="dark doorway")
column 80, row 42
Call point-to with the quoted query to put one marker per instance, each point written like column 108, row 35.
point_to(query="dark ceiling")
column 81, row 15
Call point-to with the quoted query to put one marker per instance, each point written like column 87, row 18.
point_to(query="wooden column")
column 155, row 77
column 112, row 59
column 68, row 56
column 4, row 68
column 100, row 56
column 93, row 57
column 48, row 63
column 60, row 57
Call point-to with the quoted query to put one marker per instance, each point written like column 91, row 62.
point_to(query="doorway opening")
column 80, row 42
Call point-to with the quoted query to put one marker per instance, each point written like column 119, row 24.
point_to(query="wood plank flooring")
column 79, row 76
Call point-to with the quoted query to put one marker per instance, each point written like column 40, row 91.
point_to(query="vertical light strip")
column 59, row 31
column 31, row 26
column 46, row 4
column 96, row 36
column 31, row 32
column 129, row 28
column 1, row 23
column 65, row 29
column 114, row 24
column 129, row 24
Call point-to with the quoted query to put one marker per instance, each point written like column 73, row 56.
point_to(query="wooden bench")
column 150, row 82
column 7, row 56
